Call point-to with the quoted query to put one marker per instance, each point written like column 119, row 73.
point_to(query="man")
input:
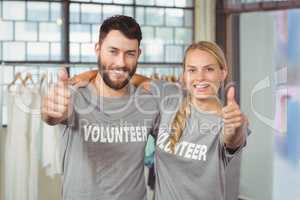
column 107, row 123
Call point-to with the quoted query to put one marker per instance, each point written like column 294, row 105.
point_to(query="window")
column 31, row 29
column 33, row 34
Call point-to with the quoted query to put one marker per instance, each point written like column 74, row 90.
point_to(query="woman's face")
column 202, row 74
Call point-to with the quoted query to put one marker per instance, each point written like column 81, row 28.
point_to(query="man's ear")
column 140, row 52
column 97, row 48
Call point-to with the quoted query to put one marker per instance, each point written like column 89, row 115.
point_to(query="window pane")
column 90, row 13
column 165, row 3
column 164, row 71
column 148, row 34
column 56, row 11
column 6, row 30
column 188, row 18
column 146, row 71
column 13, row 10
column 145, row 2
column 183, row 36
column 140, row 15
column 109, row 11
column 154, row 52
column 74, row 52
column 88, row 53
column 56, row 52
column 102, row 1
column 50, row 32
column 74, row 12
column 189, row 3
column 78, row 70
column 177, row 71
column 165, row 35
column 95, row 33
column 38, row 51
column 38, row 11
column 154, row 16
column 7, row 75
column 174, row 17
column 13, row 51
column 124, row 1
column 80, row 33
column 26, row 31
column 128, row 11
column 142, row 56
column 183, row 3
column 174, row 53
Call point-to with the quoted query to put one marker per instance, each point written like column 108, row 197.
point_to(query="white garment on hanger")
column 16, row 147
column 34, row 131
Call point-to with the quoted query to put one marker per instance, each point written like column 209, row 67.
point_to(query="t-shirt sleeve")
column 227, row 154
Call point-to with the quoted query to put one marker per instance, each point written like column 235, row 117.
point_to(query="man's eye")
column 113, row 51
column 131, row 54
column 191, row 70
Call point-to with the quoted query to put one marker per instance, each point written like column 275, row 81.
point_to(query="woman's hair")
column 180, row 120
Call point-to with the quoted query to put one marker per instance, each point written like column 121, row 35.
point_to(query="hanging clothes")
column 16, row 147
column 30, row 145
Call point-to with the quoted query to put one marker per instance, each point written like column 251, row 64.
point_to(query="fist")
column 56, row 103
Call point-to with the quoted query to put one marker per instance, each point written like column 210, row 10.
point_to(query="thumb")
column 230, row 95
column 63, row 75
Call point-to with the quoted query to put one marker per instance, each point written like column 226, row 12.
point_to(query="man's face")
column 117, row 59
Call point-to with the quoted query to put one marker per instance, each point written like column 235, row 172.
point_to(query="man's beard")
column 116, row 85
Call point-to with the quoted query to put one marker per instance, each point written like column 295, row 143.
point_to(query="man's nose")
column 120, row 60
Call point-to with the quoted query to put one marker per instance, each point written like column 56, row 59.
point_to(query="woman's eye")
column 210, row 69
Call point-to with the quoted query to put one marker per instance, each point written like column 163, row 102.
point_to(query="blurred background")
column 261, row 40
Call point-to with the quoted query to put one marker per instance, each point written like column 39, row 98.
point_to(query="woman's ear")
column 224, row 73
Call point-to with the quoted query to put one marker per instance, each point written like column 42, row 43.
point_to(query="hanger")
column 17, row 77
column 42, row 80
column 28, row 78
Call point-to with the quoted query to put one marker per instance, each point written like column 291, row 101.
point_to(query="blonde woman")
column 197, row 135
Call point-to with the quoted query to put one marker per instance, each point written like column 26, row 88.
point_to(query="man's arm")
column 83, row 79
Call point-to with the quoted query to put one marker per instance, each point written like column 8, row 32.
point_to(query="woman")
column 197, row 135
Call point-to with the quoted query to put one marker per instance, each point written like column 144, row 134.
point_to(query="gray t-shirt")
column 197, row 169
column 103, row 146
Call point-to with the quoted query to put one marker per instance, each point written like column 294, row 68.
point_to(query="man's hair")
column 125, row 24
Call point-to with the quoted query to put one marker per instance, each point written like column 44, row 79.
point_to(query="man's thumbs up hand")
column 233, row 121
column 56, row 103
